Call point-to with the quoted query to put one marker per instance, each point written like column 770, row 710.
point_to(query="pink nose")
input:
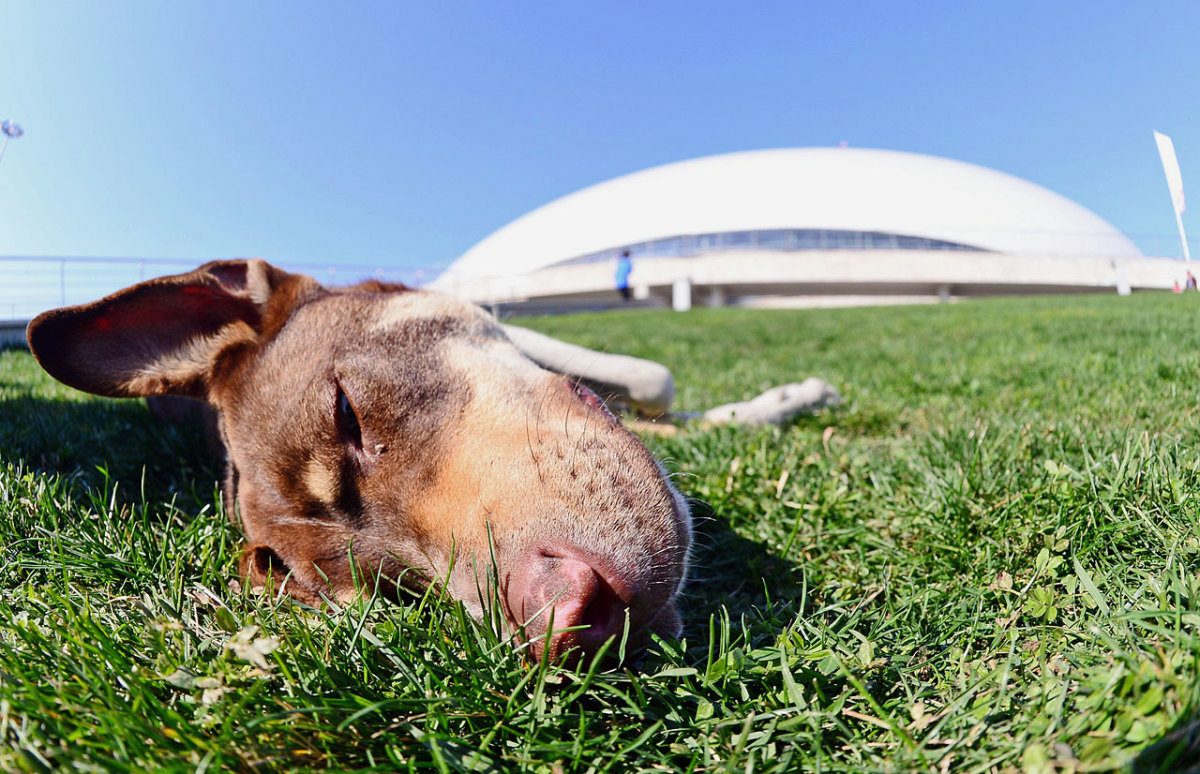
column 588, row 607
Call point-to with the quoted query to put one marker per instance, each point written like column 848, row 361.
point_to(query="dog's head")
column 380, row 432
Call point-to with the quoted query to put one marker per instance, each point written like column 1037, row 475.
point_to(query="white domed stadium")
column 803, row 226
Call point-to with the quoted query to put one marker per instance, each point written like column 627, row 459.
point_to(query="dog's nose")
column 560, row 591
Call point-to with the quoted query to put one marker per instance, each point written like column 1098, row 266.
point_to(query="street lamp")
column 9, row 129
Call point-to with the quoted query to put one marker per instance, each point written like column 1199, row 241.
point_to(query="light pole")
column 9, row 129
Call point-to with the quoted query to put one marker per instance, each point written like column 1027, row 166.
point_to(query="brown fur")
column 459, row 448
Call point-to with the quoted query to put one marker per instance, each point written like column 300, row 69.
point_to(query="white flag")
column 1166, row 151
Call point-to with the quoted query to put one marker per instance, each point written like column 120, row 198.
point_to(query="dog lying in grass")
column 378, row 435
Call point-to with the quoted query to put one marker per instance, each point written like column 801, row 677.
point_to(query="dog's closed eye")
column 347, row 420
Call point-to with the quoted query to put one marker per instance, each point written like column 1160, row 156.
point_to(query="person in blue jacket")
column 624, row 269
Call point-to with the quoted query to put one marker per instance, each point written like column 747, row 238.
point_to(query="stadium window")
column 807, row 239
column 876, row 240
column 775, row 239
column 739, row 239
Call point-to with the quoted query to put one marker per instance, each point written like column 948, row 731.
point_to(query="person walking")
column 624, row 269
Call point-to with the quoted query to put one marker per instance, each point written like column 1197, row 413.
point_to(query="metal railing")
column 30, row 285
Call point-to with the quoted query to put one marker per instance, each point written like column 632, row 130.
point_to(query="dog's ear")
column 163, row 336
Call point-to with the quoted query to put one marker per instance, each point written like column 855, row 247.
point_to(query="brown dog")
column 380, row 431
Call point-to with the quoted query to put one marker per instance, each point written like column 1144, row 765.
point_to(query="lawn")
column 986, row 559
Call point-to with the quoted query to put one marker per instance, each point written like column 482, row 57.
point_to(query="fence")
column 30, row 285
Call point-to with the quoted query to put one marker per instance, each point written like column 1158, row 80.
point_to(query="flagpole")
column 9, row 129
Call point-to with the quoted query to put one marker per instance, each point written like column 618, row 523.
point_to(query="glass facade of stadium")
column 785, row 239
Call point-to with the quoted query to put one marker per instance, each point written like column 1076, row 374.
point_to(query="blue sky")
column 399, row 134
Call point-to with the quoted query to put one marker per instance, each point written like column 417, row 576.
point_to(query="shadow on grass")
column 734, row 571
column 1176, row 753
column 95, row 442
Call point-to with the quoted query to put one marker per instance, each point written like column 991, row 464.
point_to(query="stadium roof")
column 850, row 189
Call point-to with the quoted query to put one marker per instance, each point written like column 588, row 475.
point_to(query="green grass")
column 987, row 559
